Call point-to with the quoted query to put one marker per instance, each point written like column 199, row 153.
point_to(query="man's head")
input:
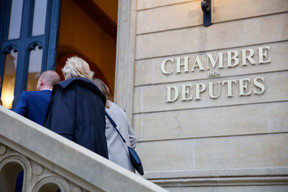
column 77, row 67
column 47, row 80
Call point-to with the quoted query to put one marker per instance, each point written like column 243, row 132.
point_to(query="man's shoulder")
column 32, row 94
column 28, row 93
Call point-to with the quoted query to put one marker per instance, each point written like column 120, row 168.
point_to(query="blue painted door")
column 28, row 41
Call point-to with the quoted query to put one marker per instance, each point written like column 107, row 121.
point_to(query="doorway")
column 88, row 29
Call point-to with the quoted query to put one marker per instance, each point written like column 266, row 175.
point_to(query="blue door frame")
column 23, row 45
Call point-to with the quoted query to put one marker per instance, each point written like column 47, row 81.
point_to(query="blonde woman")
column 77, row 108
column 117, row 150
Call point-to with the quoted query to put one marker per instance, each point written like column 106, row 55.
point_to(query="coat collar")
column 80, row 81
column 67, row 82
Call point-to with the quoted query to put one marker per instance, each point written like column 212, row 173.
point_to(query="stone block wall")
column 227, row 129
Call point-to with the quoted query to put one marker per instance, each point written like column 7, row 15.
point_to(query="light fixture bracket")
column 207, row 9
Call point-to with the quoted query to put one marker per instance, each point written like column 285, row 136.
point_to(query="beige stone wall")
column 229, row 137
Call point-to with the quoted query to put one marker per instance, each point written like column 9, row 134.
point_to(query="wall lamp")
column 206, row 8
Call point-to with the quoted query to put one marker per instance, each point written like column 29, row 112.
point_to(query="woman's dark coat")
column 76, row 111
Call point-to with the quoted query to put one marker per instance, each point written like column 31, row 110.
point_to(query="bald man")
column 33, row 104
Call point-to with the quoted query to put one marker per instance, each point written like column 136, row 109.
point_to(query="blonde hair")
column 77, row 67
column 104, row 89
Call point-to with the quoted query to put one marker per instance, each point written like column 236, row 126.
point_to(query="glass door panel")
column 7, row 95
column 39, row 17
column 35, row 61
column 15, row 19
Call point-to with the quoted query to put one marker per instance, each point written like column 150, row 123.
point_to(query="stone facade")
column 227, row 128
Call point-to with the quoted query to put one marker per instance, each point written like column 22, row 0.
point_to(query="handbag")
column 134, row 158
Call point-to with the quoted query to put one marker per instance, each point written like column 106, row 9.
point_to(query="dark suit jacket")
column 77, row 111
column 33, row 105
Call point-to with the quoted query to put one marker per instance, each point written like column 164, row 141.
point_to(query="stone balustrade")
column 51, row 162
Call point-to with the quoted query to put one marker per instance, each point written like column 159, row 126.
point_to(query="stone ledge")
column 221, row 177
column 233, row 172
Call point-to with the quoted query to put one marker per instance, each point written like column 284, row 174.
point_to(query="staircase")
column 52, row 162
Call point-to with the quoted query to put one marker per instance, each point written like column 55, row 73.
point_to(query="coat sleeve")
column 132, row 136
column 22, row 105
column 60, row 116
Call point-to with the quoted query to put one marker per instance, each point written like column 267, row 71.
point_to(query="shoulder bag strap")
column 115, row 126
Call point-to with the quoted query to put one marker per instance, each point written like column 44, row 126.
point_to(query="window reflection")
column 39, row 17
column 35, row 63
column 15, row 19
column 8, row 85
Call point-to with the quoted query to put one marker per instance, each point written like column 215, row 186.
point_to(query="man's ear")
column 41, row 82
